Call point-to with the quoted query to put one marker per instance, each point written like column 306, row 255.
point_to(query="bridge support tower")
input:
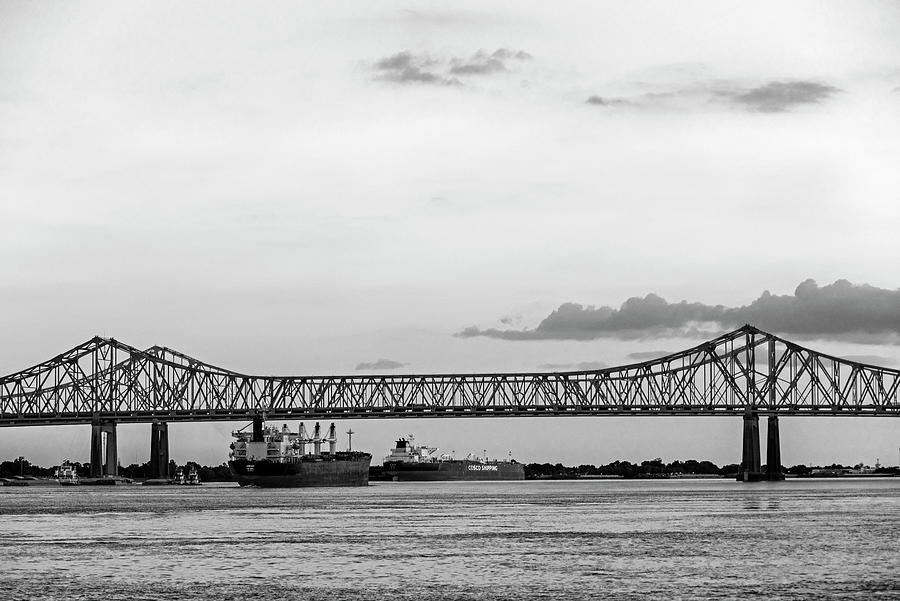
column 159, row 450
column 773, row 439
column 751, row 469
column 104, row 464
column 773, row 451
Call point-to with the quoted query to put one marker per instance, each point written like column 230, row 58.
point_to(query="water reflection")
column 518, row 540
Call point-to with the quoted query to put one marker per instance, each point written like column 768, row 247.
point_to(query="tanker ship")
column 277, row 457
column 408, row 462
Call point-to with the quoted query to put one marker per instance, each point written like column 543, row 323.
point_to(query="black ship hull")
column 339, row 469
column 442, row 471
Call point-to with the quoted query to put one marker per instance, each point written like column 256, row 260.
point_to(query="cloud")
column 859, row 313
column 408, row 68
column 482, row 63
column 769, row 97
column 580, row 366
column 381, row 364
column 405, row 67
column 605, row 101
column 780, row 96
column 648, row 355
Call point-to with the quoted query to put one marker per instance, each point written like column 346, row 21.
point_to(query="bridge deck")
column 744, row 370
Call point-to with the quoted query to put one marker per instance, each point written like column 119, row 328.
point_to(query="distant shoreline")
column 617, row 470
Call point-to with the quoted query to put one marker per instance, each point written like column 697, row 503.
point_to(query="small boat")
column 180, row 478
column 66, row 474
column 193, row 477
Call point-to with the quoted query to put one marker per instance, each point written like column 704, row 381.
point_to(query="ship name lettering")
column 483, row 468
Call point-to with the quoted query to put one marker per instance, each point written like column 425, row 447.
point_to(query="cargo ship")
column 409, row 462
column 277, row 457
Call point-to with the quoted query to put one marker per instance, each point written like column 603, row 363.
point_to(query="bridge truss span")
column 742, row 371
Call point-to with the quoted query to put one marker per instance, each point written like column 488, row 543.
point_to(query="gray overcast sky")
column 296, row 188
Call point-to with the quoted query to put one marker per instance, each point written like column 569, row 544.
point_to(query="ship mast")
column 303, row 437
column 332, row 439
column 350, row 439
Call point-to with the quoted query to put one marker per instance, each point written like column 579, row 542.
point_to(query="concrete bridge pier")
column 159, row 450
column 751, row 469
column 773, row 451
column 104, row 464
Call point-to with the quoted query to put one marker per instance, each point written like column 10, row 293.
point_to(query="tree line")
column 135, row 471
column 653, row 468
column 657, row 468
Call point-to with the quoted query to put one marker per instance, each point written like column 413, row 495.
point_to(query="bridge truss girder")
column 744, row 370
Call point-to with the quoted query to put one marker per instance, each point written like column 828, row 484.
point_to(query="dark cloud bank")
column 871, row 359
column 771, row 97
column 779, row 96
column 648, row 355
column 841, row 310
column 409, row 68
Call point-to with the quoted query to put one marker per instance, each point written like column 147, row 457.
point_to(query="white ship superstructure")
column 281, row 445
column 271, row 456
column 406, row 451
column 66, row 474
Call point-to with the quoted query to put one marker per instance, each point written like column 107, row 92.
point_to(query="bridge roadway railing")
column 741, row 371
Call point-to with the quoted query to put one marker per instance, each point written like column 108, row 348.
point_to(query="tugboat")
column 277, row 457
column 179, row 477
column 189, row 478
column 66, row 474
column 408, row 462
column 193, row 478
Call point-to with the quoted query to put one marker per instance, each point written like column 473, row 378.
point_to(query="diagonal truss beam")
column 746, row 369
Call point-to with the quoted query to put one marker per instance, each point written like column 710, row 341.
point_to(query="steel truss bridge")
column 743, row 371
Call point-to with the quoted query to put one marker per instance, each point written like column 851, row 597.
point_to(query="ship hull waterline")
column 342, row 469
column 444, row 471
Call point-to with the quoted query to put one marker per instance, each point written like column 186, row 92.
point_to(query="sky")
column 394, row 187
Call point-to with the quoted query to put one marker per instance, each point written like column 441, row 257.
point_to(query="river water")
column 668, row 539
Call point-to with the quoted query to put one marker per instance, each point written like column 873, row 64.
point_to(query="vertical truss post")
column 773, row 377
column 750, row 366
